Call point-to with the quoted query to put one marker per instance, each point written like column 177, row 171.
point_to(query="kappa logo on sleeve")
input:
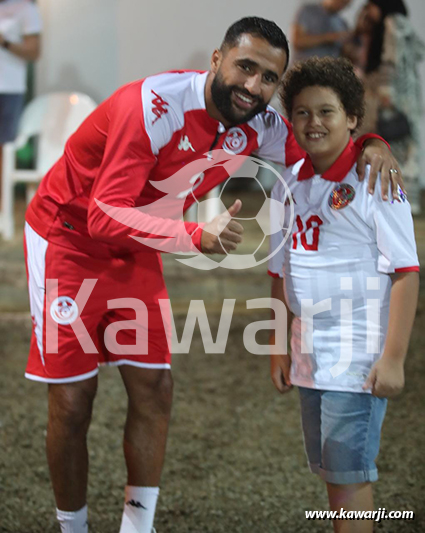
column 159, row 106
column 185, row 144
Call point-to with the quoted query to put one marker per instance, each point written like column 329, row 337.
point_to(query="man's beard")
column 222, row 98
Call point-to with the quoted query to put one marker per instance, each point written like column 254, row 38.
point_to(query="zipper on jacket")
column 221, row 129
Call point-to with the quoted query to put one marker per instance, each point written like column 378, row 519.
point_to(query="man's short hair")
column 258, row 27
column 336, row 74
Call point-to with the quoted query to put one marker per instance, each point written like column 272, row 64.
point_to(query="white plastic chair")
column 52, row 118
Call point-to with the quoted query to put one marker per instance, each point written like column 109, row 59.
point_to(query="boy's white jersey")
column 336, row 262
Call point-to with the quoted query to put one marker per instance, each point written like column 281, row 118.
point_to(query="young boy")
column 350, row 286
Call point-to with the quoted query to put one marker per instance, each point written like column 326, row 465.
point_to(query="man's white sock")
column 139, row 509
column 73, row 522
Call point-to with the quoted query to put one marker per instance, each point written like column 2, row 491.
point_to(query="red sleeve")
column 124, row 172
column 293, row 152
column 363, row 138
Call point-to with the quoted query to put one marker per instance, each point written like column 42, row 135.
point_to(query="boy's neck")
column 322, row 163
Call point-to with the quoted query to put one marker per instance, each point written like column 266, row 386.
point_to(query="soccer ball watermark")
column 268, row 224
column 164, row 217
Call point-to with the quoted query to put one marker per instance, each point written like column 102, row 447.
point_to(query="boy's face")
column 321, row 125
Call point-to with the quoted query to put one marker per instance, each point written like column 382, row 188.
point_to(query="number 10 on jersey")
column 313, row 223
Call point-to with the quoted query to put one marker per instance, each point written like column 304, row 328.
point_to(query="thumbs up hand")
column 222, row 234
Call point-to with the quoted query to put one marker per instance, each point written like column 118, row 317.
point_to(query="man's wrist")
column 196, row 236
column 396, row 356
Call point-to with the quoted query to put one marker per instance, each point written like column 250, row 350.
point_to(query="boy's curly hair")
column 337, row 74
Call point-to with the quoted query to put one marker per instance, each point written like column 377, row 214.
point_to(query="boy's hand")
column 280, row 365
column 377, row 154
column 386, row 378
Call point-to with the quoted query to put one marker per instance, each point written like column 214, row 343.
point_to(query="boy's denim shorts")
column 10, row 111
column 342, row 432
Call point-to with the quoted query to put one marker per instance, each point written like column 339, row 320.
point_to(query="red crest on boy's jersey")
column 341, row 196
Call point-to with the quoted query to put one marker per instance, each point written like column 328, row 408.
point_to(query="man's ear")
column 216, row 60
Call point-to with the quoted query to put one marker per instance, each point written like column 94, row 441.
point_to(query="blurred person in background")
column 319, row 30
column 20, row 27
column 387, row 52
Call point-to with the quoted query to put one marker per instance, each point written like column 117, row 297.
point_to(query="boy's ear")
column 351, row 122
